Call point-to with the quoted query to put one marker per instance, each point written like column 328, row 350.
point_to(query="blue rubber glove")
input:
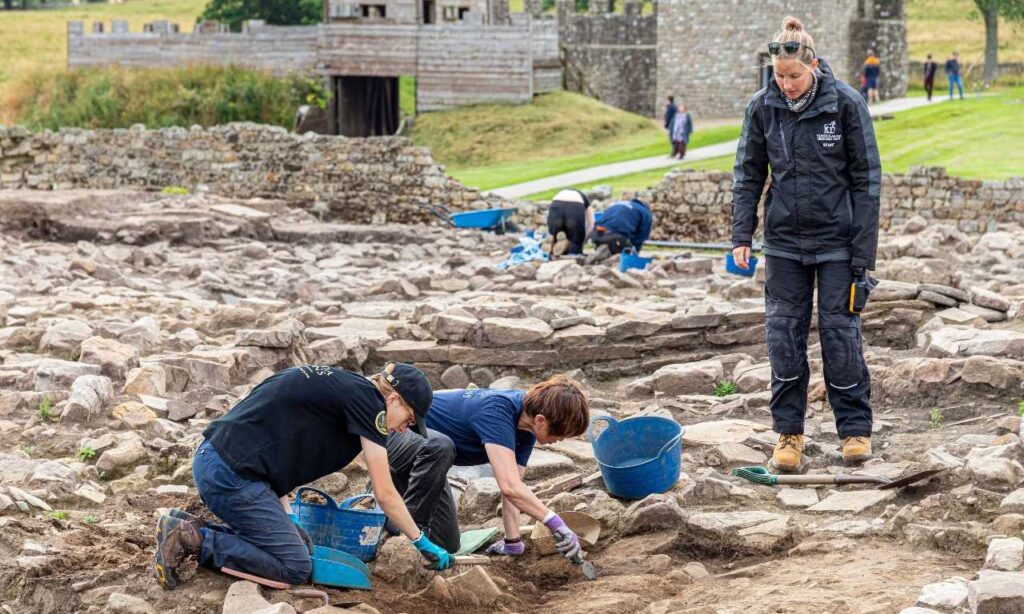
column 566, row 542
column 438, row 556
column 503, row 547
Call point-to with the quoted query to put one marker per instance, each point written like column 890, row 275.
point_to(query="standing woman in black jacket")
column 814, row 135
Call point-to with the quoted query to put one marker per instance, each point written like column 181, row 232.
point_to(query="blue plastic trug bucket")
column 732, row 267
column 638, row 456
column 632, row 261
column 340, row 526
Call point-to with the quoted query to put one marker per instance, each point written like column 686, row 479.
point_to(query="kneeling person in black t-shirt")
column 296, row 426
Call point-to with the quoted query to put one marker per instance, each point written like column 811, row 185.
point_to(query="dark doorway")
column 428, row 11
column 366, row 106
column 766, row 73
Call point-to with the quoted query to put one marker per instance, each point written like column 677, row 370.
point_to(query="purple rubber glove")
column 507, row 548
column 566, row 542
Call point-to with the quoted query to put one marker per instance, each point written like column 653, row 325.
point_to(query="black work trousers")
column 789, row 295
column 570, row 218
column 419, row 469
column 615, row 242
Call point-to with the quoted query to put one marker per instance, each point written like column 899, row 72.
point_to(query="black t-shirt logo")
column 381, row 424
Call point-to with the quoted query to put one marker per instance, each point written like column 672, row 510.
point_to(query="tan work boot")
column 175, row 539
column 856, row 449
column 789, row 453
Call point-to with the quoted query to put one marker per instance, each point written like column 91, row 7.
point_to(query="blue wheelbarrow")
column 483, row 219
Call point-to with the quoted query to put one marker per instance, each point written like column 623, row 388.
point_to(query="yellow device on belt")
column 860, row 289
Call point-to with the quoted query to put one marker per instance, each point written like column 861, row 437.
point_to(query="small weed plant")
column 91, row 519
column 45, row 410
column 936, row 418
column 85, row 454
column 724, row 389
column 175, row 190
column 1020, row 409
column 58, row 515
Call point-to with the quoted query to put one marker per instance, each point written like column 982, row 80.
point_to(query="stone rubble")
column 116, row 352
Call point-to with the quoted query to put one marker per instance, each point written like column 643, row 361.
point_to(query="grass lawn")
column 489, row 146
column 941, row 26
column 37, row 39
column 977, row 138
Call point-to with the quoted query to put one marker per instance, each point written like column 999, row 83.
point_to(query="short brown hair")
column 562, row 402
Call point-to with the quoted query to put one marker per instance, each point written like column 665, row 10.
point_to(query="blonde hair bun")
column 792, row 24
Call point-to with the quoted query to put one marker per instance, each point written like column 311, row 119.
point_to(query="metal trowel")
column 589, row 571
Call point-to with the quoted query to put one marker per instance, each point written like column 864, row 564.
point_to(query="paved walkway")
column 605, row 171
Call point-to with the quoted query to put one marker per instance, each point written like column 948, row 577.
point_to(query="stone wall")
column 883, row 29
column 697, row 206
column 611, row 57
column 360, row 180
column 710, row 52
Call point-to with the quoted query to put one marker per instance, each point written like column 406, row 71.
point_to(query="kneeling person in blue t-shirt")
column 475, row 427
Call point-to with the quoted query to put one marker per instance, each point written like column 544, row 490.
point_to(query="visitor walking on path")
column 682, row 128
column 953, row 75
column 670, row 115
column 872, row 72
column 929, row 75
column 813, row 134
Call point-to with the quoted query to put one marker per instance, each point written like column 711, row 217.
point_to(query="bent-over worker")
column 476, row 427
column 296, row 426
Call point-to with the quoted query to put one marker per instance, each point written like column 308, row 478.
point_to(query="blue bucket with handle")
column 638, row 456
column 339, row 525
column 629, row 259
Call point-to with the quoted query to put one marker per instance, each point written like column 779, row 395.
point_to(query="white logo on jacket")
column 828, row 137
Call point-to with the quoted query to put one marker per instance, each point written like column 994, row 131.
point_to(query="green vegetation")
column 976, row 138
column 941, row 26
column 488, row 146
column 936, row 418
column 275, row 12
column 175, row 190
column 204, row 95
column 91, row 519
column 85, row 454
column 45, row 409
column 1020, row 409
column 58, row 515
column 407, row 96
column 35, row 42
column 724, row 389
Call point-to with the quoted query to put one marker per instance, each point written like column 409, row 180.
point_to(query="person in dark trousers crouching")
column 814, row 134
column 296, row 426
column 624, row 225
column 569, row 212
column 496, row 427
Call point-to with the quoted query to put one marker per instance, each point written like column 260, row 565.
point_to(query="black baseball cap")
column 414, row 388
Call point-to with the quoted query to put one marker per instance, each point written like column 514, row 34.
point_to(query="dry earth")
column 129, row 320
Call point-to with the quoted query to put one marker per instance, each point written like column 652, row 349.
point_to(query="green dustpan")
column 471, row 541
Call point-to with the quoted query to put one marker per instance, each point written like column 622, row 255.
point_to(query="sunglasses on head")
column 789, row 47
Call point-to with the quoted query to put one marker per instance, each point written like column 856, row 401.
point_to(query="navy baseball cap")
column 414, row 388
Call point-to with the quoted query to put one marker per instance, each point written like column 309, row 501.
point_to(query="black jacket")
column 826, row 176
